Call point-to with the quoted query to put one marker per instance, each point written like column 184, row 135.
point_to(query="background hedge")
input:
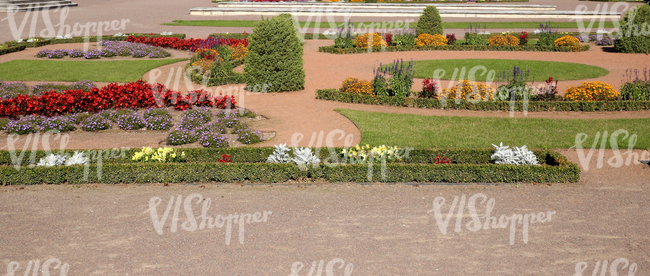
column 336, row 95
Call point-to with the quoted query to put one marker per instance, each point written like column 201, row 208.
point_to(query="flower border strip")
column 533, row 106
column 333, row 50
column 557, row 170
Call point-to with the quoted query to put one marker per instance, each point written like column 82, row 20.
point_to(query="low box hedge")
column 32, row 44
column 470, row 166
column 11, row 49
column 533, row 106
column 334, row 50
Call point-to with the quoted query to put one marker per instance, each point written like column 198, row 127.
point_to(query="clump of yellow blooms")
column 567, row 40
column 430, row 40
column 356, row 86
column 363, row 40
column 161, row 155
column 362, row 153
column 503, row 40
column 204, row 64
column 239, row 51
column 469, row 90
column 591, row 91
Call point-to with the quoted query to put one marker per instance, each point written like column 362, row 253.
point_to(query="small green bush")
column 474, row 39
column 633, row 36
column 404, row 39
column 429, row 22
column 275, row 56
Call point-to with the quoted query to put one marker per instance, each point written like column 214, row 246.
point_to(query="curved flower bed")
column 138, row 94
column 111, row 49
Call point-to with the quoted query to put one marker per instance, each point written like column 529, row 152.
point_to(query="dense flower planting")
column 468, row 90
column 591, row 91
column 111, row 49
column 430, row 40
column 187, row 44
column 356, row 86
column 503, row 40
column 567, row 40
column 138, row 94
column 363, row 41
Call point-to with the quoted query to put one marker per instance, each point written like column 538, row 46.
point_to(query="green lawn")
column 76, row 70
column 541, row 70
column 377, row 25
column 420, row 131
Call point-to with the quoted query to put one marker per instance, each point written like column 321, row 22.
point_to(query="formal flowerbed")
column 110, row 49
column 392, row 86
column 213, row 62
column 272, row 165
column 138, row 94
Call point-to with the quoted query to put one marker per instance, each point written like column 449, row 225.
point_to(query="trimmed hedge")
column 470, row 166
column 533, row 106
column 12, row 49
column 333, row 50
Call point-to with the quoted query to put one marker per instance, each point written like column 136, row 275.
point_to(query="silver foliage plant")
column 517, row 156
column 280, row 154
column 303, row 157
column 52, row 160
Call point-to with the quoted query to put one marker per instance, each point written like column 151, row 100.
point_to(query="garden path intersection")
column 597, row 224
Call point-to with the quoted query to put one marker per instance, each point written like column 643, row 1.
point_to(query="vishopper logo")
column 475, row 224
column 35, row 267
column 616, row 161
column 610, row 12
column 329, row 269
column 78, row 29
column 205, row 220
column 613, row 267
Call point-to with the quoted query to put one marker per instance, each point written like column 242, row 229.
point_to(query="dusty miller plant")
column 517, row 156
column 280, row 154
column 52, row 160
column 303, row 157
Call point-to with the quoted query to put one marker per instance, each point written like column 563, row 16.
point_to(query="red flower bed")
column 138, row 94
column 187, row 44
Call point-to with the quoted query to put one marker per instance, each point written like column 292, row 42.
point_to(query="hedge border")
column 12, row 49
column 555, row 169
column 533, row 106
column 333, row 50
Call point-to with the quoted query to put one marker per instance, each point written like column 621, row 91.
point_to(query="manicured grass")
column 541, row 70
column 434, row 132
column 391, row 25
column 76, row 70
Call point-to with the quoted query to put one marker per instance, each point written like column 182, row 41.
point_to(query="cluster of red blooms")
column 187, row 44
column 443, row 160
column 138, row 94
column 523, row 38
column 225, row 158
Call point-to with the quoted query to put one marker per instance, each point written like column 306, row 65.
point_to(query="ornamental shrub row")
column 12, row 49
column 557, row 170
column 533, row 106
column 333, row 50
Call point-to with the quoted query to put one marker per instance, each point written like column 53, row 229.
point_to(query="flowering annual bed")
column 111, row 49
column 188, row 44
column 138, row 94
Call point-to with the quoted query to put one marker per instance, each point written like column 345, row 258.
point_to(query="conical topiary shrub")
column 274, row 59
column 634, row 31
column 430, row 22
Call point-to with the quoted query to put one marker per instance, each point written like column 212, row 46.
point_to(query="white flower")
column 59, row 37
column 20, row 40
column 68, row 36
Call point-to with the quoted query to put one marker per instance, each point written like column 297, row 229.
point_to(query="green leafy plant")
column 633, row 36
